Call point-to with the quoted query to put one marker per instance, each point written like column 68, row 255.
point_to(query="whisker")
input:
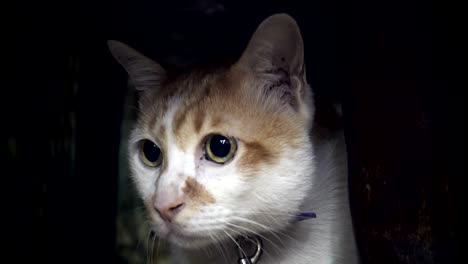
column 256, row 212
column 207, row 250
column 215, row 241
column 277, row 231
column 268, row 228
column 237, row 244
column 152, row 249
column 157, row 246
column 246, row 237
column 140, row 239
column 147, row 247
column 219, row 244
column 256, row 233
column 271, row 230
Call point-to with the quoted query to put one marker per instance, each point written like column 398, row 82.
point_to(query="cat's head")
column 227, row 152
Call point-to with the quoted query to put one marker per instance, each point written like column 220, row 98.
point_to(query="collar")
column 243, row 243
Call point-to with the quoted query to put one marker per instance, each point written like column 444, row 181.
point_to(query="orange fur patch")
column 256, row 153
column 198, row 121
column 197, row 192
column 216, row 121
column 179, row 120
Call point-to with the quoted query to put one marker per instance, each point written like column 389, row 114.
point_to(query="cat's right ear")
column 144, row 73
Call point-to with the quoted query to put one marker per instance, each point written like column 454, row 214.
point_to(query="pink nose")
column 169, row 210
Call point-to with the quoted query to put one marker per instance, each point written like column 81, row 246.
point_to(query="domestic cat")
column 234, row 153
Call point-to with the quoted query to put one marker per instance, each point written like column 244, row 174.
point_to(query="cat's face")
column 225, row 153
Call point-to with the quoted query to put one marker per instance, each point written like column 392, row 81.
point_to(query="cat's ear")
column 276, row 53
column 144, row 73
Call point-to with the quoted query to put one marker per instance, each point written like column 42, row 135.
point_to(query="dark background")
column 64, row 112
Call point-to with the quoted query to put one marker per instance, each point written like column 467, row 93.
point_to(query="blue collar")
column 305, row 215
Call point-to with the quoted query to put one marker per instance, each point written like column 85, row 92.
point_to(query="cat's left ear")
column 144, row 73
column 275, row 54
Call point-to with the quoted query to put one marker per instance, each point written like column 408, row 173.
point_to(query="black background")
column 380, row 58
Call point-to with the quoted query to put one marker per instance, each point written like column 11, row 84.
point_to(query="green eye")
column 150, row 153
column 220, row 149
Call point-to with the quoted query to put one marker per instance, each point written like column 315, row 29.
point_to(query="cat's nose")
column 170, row 209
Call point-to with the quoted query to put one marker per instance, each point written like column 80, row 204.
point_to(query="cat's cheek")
column 224, row 182
column 143, row 177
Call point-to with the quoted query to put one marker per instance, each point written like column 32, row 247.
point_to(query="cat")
column 234, row 153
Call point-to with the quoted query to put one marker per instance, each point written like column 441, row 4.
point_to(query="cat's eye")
column 150, row 153
column 220, row 149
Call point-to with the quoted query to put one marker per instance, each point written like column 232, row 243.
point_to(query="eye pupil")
column 220, row 149
column 220, row 146
column 151, row 151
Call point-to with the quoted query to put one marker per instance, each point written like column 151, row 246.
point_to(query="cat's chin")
column 189, row 242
